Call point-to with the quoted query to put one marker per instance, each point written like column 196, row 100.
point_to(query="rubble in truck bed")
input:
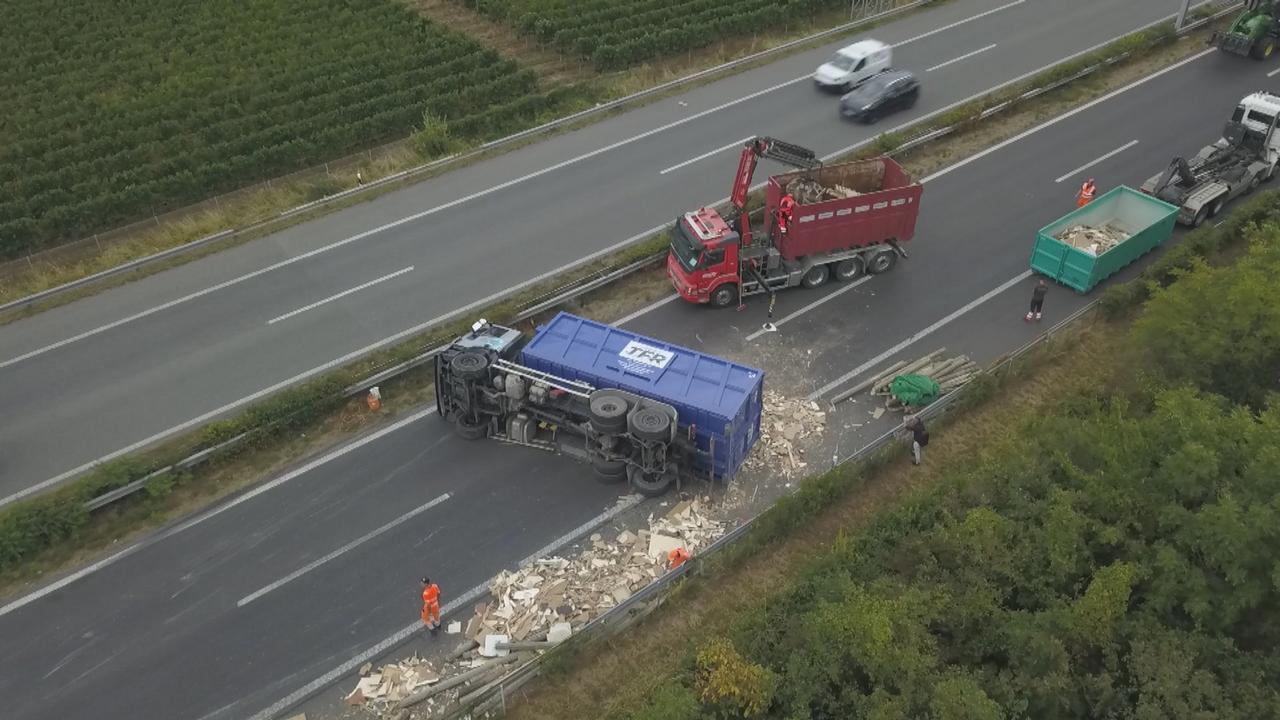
column 809, row 192
column 545, row 602
column 1093, row 240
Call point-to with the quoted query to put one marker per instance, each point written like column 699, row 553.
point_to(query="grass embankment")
column 1091, row 538
column 51, row 532
column 555, row 85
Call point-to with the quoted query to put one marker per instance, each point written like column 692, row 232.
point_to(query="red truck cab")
column 703, row 262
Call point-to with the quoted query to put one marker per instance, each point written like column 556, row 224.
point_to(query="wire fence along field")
column 118, row 111
column 615, row 34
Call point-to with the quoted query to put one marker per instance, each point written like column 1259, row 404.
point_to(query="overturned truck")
column 637, row 409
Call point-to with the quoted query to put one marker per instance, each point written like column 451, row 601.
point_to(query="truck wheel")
column 652, row 484
column 651, row 424
column 815, row 277
column 883, row 261
column 1200, row 217
column 1216, row 207
column 850, row 269
column 469, row 365
column 1263, row 49
column 608, row 412
column 469, row 429
column 609, row 472
column 724, row 296
column 1254, row 182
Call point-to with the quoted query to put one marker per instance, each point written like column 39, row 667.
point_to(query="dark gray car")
column 885, row 93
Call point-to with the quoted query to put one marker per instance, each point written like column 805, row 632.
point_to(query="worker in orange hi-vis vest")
column 1087, row 191
column 430, row 605
column 786, row 209
column 677, row 557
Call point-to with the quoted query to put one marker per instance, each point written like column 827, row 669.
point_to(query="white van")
column 853, row 65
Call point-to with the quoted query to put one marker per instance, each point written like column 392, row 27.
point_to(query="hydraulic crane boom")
column 764, row 147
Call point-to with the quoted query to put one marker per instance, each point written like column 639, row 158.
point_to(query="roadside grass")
column 177, row 496
column 22, row 278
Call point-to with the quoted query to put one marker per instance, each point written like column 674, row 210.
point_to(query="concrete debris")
column 489, row 648
column 391, row 683
column 559, row 632
column 365, row 669
column 1093, row 240
column 454, row 628
column 789, row 426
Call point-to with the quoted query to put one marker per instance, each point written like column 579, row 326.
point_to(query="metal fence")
column 590, row 283
column 867, row 11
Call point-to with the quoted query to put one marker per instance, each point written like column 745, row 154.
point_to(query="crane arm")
column 769, row 148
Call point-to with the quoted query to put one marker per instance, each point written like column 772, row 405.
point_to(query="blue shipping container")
column 719, row 398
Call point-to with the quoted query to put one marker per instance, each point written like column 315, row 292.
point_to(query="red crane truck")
column 847, row 219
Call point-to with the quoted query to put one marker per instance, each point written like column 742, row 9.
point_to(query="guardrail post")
column 1182, row 14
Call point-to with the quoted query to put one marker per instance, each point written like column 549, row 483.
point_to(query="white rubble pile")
column 787, row 426
column 528, row 602
column 379, row 690
column 547, row 601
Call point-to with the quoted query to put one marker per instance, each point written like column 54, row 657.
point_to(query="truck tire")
column 652, row 484
column 608, row 412
column 467, row 429
column 815, row 277
column 609, row 472
column 1216, row 206
column 1200, row 217
column 1254, row 182
column 850, row 269
column 882, row 262
column 1263, row 49
column 724, row 296
column 469, row 365
column 651, row 424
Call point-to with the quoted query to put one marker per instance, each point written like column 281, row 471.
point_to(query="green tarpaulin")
column 914, row 390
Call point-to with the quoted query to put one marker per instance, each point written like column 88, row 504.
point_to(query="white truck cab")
column 1257, row 112
column 853, row 65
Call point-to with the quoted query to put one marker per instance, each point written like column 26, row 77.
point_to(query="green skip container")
column 1147, row 220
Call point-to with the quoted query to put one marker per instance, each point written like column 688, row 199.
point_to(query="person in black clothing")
column 919, row 437
column 1037, row 300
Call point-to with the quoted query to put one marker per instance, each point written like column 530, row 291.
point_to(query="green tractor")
column 1255, row 33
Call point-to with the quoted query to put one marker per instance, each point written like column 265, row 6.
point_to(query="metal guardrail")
column 588, row 284
column 539, row 306
column 462, row 157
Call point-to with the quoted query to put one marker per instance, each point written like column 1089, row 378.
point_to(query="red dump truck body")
column 849, row 219
column 885, row 210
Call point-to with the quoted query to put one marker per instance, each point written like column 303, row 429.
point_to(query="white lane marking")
column 463, row 600
column 645, row 310
column 812, row 305
column 1072, row 113
column 965, row 56
column 1091, row 163
column 1273, row 73
column 265, row 487
column 704, row 156
column 916, row 337
column 592, row 256
column 458, row 201
column 342, row 294
column 340, row 551
column 958, row 23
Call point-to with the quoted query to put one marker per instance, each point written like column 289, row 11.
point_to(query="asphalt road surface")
column 224, row 615
column 96, row 378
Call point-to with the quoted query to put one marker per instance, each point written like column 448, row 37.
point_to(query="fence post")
column 1182, row 14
